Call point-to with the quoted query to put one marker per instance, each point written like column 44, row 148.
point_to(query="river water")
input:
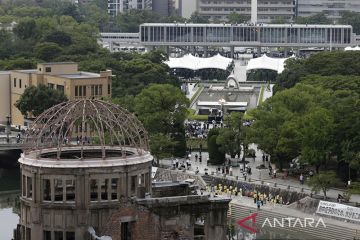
column 9, row 192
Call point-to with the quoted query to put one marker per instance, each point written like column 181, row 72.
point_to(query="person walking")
column 196, row 157
column 301, row 178
column 258, row 203
column 231, row 171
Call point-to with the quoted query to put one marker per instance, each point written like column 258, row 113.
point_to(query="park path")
column 258, row 175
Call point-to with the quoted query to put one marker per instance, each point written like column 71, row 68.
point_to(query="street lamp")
column 222, row 102
column 8, row 128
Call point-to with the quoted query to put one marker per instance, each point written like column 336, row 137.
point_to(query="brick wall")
column 145, row 226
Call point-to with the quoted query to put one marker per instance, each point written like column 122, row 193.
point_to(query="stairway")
column 237, row 212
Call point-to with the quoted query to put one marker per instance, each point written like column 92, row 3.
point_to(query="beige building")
column 63, row 76
column 5, row 96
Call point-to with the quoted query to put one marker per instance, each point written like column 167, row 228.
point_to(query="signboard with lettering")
column 339, row 210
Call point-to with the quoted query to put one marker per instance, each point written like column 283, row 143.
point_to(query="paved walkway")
column 257, row 174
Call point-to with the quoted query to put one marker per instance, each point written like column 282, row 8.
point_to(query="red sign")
column 252, row 217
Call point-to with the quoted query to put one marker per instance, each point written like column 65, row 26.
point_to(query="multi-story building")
column 119, row 6
column 63, row 76
column 267, row 10
column 332, row 8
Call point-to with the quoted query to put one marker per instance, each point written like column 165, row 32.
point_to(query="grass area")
column 197, row 93
column 192, row 116
column 194, row 143
column 355, row 188
column 261, row 95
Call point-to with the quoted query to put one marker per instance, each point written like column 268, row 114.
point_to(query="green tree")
column 319, row 18
column 323, row 181
column 160, row 146
column 276, row 128
column 162, row 108
column 317, row 137
column 59, row 37
column 235, row 17
column 47, row 51
column 36, row 100
column 216, row 153
column 351, row 18
column 26, row 28
column 6, row 44
column 197, row 18
column 279, row 20
column 227, row 142
column 232, row 138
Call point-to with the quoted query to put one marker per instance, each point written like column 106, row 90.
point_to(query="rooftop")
column 79, row 75
column 56, row 63
column 245, row 24
column 27, row 71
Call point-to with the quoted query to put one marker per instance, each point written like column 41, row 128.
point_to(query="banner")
column 339, row 210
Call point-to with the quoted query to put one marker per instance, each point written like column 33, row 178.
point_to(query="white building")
column 187, row 7
column 332, row 8
column 268, row 10
column 118, row 6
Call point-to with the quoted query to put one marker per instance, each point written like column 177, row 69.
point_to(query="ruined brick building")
column 86, row 171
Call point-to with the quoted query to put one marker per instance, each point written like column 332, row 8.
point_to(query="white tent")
column 265, row 62
column 357, row 48
column 196, row 63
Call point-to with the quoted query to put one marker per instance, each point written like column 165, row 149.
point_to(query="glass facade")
column 232, row 34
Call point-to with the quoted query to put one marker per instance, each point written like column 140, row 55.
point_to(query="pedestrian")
column 187, row 163
column 200, row 157
column 258, row 202
column 274, row 173
column 231, row 171
column 245, row 175
column 263, row 158
column 177, row 163
column 196, row 157
column 301, row 178
column 267, row 158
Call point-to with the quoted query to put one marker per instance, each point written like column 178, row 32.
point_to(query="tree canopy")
column 314, row 114
column 36, row 100
column 162, row 108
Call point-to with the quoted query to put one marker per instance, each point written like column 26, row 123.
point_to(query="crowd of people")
column 195, row 129
column 260, row 199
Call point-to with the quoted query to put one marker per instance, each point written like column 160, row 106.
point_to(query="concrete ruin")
column 87, row 164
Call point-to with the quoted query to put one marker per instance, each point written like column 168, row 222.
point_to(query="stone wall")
column 144, row 224
column 181, row 189
column 173, row 175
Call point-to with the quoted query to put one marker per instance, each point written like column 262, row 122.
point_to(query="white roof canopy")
column 196, row 63
column 265, row 62
column 357, row 48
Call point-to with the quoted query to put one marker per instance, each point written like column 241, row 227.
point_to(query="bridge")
column 13, row 143
column 237, row 35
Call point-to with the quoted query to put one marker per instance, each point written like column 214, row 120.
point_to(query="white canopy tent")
column 265, row 62
column 356, row 48
column 196, row 63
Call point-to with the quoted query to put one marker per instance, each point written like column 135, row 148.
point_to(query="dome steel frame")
column 81, row 123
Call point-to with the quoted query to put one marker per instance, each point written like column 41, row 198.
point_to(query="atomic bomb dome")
column 81, row 159
column 86, row 125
